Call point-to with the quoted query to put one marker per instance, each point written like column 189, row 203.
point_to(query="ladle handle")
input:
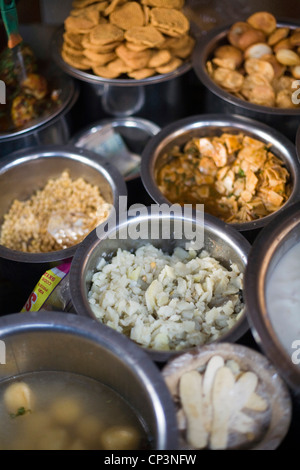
column 11, row 23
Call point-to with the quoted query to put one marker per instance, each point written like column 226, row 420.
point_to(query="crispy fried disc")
column 106, row 34
column 119, row 66
column 141, row 74
column 159, row 58
column 169, row 21
column 99, row 59
column 73, row 39
column 91, row 13
column 103, row 71
column 231, row 80
column 78, row 24
column 174, row 63
column 185, row 51
column 72, row 50
column 113, row 5
column 100, row 49
column 128, row 15
column 177, row 4
column 146, row 11
column 134, row 60
column 145, row 35
column 80, row 62
column 135, row 47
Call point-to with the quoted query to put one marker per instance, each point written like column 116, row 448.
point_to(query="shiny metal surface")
column 271, row 244
column 180, row 131
column 135, row 132
column 24, row 172
column 221, row 241
column 285, row 120
column 53, row 128
column 53, row 341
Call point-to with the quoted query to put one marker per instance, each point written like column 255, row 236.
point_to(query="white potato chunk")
column 18, row 395
column 120, row 438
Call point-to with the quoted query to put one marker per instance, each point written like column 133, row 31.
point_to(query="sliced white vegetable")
column 190, row 391
column 222, row 408
column 242, row 423
column 256, row 403
column 213, row 365
column 243, row 389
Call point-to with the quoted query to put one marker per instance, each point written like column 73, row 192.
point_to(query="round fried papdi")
column 78, row 24
column 85, row 3
column 103, row 71
column 119, row 66
column 105, row 34
column 134, row 60
column 78, row 62
column 186, row 51
column 99, row 59
column 170, row 66
column 141, row 74
column 101, row 49
column 169, row 21
column 145, row 35
column 73, row 39
column 72, row 50
column 128, row 15
column 177, row 4
column 135, row 47
column 113, row 5
column 160, row 57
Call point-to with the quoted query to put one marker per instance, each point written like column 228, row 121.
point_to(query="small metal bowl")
column 270, row 386
column 285, row 120
column 24, row 172
column 181, row 131
column 135, row 133
column 43, row 341
column 220, row 240
column 272, row 243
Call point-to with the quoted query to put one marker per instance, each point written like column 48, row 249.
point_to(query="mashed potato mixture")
column 167, row 302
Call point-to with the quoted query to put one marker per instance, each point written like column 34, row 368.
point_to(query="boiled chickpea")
column 120, row 438
column 18, row 396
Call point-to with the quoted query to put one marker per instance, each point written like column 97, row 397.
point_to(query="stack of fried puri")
column 119, row 37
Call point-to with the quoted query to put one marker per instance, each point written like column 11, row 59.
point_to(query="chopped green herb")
column 21, row 411
column 241, row 173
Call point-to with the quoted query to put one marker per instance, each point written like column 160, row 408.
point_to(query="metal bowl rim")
column 205, row 120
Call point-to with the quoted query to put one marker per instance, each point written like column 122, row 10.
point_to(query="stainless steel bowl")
column 220, row 240
column 181, row 131
column 53, row 341
column 55, row 128
column 24, row 172
column 284, row 120
column 272, row 243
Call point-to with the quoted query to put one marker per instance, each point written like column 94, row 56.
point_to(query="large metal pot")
column 24, row 172
column 55, row 128
column 271, row 245
column 219, row 239
column 284, row 120
column 69, row 343
column 181, row 131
